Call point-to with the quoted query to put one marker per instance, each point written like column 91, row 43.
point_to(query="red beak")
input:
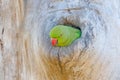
column 53, row 41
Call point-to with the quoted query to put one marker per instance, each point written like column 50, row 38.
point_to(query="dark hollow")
column 74, row 26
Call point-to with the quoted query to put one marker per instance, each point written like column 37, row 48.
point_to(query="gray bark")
column 26, row 52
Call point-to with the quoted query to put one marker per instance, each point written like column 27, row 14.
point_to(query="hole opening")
column 68, row 23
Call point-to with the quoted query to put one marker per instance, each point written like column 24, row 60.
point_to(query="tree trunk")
column 26, row 52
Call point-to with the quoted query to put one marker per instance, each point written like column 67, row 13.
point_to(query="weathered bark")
column 26, row 52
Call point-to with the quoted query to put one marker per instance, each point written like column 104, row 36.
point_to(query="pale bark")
column 26, row 52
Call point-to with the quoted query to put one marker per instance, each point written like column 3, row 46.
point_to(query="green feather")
column 65, row 35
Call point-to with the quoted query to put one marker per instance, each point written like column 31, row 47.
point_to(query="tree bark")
column 26, row 52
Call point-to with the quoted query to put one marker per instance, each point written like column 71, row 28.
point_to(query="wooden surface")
column 26, row 52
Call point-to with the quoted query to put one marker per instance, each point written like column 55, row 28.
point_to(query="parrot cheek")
column 54, row 42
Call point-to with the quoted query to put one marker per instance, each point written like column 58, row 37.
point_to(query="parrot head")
column 63, row 35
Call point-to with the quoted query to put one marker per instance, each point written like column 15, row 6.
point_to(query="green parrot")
column 64, row 35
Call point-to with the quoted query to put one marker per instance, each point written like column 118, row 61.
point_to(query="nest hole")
column 69, row 23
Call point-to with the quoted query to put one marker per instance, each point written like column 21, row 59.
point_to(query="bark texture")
column 26, row 52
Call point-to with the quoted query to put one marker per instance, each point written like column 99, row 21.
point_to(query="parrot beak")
column 53, row 41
